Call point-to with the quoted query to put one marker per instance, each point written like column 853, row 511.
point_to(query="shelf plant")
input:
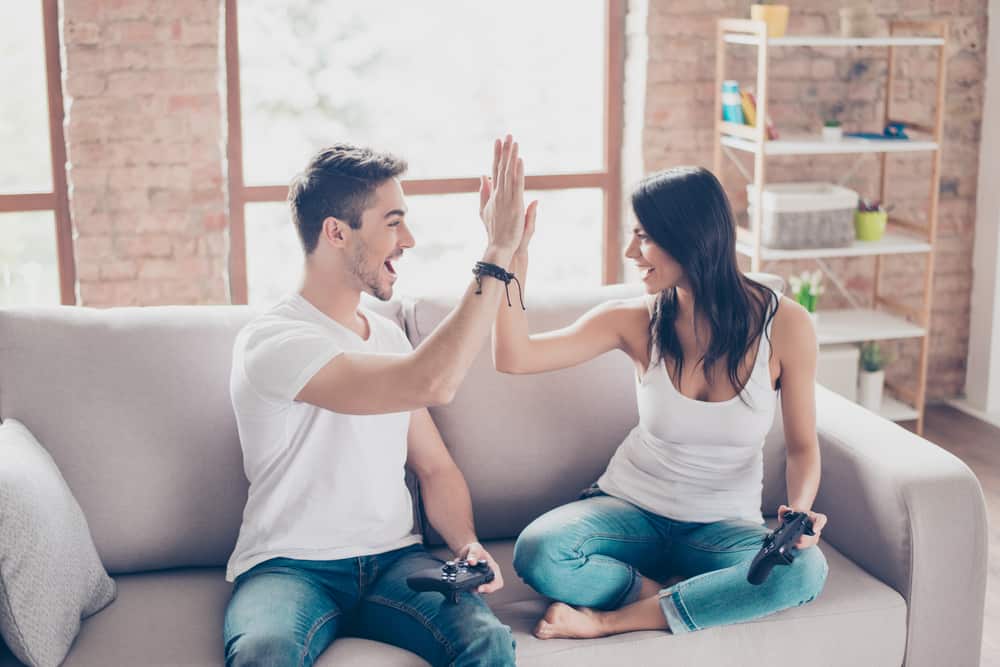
column 871, row 379
column 806, row 289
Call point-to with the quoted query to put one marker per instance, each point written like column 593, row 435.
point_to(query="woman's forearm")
column 510, row 330
column 802, row 474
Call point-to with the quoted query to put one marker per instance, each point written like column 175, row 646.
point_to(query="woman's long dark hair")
column 685, row 211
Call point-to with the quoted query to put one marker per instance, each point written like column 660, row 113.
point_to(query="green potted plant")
column 806, row 289
column 870, row 220
column 871, row 379
column 775, row 16
column 832, row 130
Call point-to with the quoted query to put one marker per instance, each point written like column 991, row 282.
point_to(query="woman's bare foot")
column 648, row 588
column 564, row 621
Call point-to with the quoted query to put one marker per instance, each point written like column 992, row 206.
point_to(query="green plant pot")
column 870, row 225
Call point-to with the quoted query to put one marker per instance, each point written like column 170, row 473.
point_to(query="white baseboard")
column 963, row 405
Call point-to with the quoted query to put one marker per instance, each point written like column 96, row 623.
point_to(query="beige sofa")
column 133, row 405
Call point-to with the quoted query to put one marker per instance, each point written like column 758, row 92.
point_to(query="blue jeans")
column 592, row 552
column 286, row 612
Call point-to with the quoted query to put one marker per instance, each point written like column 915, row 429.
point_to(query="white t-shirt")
column 323, row 485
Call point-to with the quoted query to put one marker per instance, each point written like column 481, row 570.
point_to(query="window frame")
column 57, row 199
column 608, row 180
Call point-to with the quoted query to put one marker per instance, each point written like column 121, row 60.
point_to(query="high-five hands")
column 501, row 200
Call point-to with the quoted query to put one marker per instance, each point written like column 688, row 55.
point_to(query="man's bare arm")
column 355, row 383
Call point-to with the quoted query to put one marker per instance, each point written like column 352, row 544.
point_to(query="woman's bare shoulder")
column 792, row 330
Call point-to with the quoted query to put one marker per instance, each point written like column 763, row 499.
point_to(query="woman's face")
column 658, row 270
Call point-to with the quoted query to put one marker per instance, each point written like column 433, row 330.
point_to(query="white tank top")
column 693, row 460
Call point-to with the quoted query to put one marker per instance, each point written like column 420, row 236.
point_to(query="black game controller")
column 779, row 546
column 452, row 578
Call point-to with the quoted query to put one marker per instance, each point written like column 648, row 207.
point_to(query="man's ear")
column 336, row 232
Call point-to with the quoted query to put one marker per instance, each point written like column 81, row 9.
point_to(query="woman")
column 681, row 498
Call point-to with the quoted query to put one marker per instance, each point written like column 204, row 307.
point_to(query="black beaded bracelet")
column 493, row 271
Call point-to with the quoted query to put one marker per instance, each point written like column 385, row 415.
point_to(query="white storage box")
column 837, row 369
column 806, row 215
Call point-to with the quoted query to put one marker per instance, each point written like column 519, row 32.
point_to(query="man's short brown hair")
column 339, row 181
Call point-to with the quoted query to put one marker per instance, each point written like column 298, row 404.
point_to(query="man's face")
column 380, row 241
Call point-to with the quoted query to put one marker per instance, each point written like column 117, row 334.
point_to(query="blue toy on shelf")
column 891, row 131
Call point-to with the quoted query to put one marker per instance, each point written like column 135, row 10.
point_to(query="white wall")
column 982, row 383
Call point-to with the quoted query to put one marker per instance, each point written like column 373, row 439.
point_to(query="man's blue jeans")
column 286, row 612
column 592, row 552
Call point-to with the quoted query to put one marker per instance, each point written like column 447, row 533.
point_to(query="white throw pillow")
column 50, row 574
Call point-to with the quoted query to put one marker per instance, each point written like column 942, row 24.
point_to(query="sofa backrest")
column 133, row 405
column 528, row 443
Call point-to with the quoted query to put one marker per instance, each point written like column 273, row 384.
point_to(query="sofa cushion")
column 50, row 575
column 133, row 405
column 522, row 447
column 856, row 620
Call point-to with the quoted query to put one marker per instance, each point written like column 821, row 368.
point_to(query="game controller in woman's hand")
column 779, row 546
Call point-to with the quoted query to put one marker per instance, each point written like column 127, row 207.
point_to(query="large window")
column 36, row 259
column 434, row 87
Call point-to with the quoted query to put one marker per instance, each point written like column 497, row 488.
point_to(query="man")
column 331, row 403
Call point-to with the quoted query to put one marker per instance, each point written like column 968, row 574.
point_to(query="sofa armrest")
column 913, row 515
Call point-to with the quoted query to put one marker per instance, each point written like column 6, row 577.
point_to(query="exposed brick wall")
column 144, row 135
column 806, row 84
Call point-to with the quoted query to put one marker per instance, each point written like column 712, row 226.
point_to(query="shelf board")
column 897, row 411
column 817, row 146
column 824, row 40
column 857, row 326
column 890, row 244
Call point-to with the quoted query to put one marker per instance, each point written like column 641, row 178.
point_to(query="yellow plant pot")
column 775, row 16
column 870, row 225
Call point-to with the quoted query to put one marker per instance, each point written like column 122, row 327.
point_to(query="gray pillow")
column 50, row 574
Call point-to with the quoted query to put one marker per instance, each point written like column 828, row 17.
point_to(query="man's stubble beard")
column 368, row 279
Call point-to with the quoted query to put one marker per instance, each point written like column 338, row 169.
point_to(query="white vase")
column 870, row 386
column 833, row 133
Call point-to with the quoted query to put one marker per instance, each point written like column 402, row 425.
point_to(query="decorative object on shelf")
column 806, row 288
column 732, row 106
column 870, row 220
column 891, row 131
column 871, row 379
column 775, row 16
column 749, row 104
column 805, row 215
column 832, row 130
column 859, row 21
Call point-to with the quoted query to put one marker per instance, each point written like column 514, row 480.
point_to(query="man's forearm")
column 449, row 351
column 449, row 507
column 802, row 474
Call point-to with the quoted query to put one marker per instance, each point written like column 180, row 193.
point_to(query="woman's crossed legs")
column 602, row 559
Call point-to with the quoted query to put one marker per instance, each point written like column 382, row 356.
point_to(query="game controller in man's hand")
column 452, row 578
column 779, row 546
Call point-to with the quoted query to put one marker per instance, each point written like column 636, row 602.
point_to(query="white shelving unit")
column 892, row 243
column 889, row 320
column 814, row 146
column 828, row 41
column 897, row 411
column 859, row 325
